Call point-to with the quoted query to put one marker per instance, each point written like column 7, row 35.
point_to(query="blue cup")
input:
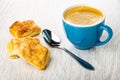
column 86, row 36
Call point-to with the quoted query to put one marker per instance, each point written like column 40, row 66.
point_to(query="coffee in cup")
column 84, row 26
column 83, row 15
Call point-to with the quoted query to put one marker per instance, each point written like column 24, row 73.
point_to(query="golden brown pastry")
column 30, row 50
column 13, row 48
column 25, row 28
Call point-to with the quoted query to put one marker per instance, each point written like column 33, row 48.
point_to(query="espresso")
column 83, row 15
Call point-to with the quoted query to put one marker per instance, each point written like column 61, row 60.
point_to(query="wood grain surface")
column 47, row 14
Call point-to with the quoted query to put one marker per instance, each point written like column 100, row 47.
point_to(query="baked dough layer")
column 29, row 49
column 26, row 28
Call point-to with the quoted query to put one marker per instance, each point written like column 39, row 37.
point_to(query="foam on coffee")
column 83, row 15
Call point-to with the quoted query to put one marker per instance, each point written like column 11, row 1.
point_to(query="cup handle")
column 110, row 34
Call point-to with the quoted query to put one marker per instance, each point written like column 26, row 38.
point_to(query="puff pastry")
column 30, row 50
column 26, row 28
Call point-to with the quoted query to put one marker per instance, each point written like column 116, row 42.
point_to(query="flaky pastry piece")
column 26, row 28
column 29, row 49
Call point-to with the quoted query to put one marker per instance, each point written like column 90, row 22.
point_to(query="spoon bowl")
column 51, row 38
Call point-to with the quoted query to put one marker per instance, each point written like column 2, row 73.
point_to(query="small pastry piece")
column 25, row 28
column 13, row 49
column 30, row 50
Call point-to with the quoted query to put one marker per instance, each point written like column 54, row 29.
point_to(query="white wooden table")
column 47, row 14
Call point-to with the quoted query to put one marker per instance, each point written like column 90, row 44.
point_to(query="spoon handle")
column 81, row 61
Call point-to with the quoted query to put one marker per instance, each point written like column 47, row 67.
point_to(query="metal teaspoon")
column 52, row 39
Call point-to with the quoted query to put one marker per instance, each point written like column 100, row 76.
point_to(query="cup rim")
column 75, row 25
